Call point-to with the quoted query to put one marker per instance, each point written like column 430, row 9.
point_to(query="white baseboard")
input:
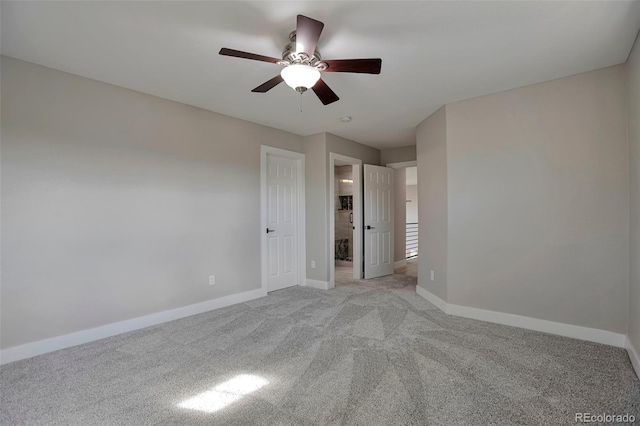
column 634, row 356
column 440, row 304
column 399, row 263
column 40, row 347
column 322, row 285
column 560, row 329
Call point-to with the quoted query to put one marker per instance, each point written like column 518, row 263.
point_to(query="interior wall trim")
column 399, row 263
column 435, row 300
column 634, row 356
column 40, row 347
column 561, row 329
column 322, row 285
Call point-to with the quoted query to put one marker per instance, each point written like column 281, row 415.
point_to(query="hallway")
column 404, row 278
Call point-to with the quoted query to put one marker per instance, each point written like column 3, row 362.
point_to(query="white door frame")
column 357, row 216
column 301, row 231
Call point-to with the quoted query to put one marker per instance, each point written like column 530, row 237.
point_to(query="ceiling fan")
column 302, row 62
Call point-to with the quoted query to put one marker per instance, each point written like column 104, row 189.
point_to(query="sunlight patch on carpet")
column 225, row 393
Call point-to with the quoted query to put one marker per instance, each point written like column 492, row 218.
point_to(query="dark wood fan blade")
column 324, row 93
column 246, row 55
column 307, row 34
column 265, row 87
column 365, row 66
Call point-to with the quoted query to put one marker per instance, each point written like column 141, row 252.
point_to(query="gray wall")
column 400, row 215
column 432, row 203
column 117, row 204
column 538, row 201
column 633, row 72
column 398, row 155
column 412, row 205
column 347, row 147
column 316, row 201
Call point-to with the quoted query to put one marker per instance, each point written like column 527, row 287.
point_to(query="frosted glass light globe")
column 299, row 75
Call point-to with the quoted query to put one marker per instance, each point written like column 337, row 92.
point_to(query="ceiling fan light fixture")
column 300, row 77
column 302, row 62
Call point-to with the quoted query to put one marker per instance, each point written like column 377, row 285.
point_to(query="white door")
column 378, row 221
column 281, row 209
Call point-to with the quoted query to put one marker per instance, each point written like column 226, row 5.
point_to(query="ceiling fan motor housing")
column 291, row 57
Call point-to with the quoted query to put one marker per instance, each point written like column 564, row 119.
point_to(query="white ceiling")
column 432, row 53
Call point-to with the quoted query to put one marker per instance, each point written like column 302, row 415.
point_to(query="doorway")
column 345, row 218
column 406, row 222
column 411, row 234
column 343, row 222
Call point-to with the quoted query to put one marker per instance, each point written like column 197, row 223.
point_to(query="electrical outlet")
column 433, row 275
column 313, row 264
column 212, row 279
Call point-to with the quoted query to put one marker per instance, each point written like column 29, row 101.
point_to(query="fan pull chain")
column 301, row 102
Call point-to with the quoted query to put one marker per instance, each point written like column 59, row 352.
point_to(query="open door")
column 378, row 221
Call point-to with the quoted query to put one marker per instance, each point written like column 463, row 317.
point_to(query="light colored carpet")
column 389, row 282
column 402, row 278
column 301, row 356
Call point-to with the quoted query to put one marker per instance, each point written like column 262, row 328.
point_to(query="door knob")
column 370, row 227
column 270, row 230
